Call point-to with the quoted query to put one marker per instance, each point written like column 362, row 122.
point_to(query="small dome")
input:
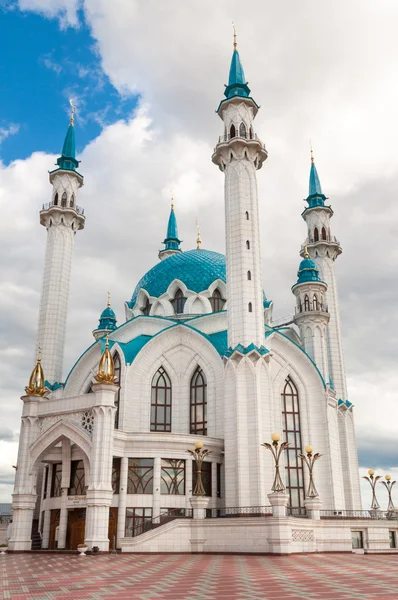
column 197, row 269
column 308, row 271
column 108, row 313
column 107, row 319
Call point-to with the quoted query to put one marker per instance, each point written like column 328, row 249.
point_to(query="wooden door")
column 112, row 529
column 77, row 533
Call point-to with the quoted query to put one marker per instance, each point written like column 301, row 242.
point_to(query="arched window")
column 292, row 434
column 247, row 215
column 306, row 303
column 248, row 244
column 316, row 235
column 249, row 276
column 198, row 403
column 315, row 304
column 251, row 133
column 56, row 200
column 242, row 130
column 217, row 301
column 250, row 307
column 72, row 201
column 178, row 302
column 146, row 309
column 324, row 233
column 117, row 365
column 161, row 402
column 232, row 131
column 64, row 200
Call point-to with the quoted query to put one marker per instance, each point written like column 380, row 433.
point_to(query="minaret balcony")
column 330, row 243
column 240, row 143
column 73, row 214
column 78, row 209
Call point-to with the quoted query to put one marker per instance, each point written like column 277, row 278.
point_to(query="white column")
column 61, row 224
column 156, row 506
column 63, row 520
column 188, row 482
column 214, row 483
column 47, row 513
column 121, row 514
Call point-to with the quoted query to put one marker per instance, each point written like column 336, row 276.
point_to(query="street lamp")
column 276, row 451
column 199, row 455
column 388, row 484
column 310, row 461
column 372, row 481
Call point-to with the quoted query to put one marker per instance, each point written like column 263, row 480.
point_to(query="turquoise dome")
column 107, row 319
column 308, row 271
column 197, row 269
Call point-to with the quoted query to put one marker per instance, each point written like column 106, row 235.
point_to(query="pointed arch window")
column 292, row 434
column 232, row 131
column 118, row 369
column 198, row 406
column 251, row 133
column 315, row 303
column 316, row 235
column 56, row 200
column 249, row 276
column 250, row 307
column 178, row 302
column 146, row 309
column 64, row 200
column 72, row 201
column 247, row 215
column 217, row 301
column 247, row 244
column 161, row 402
column 324, row 237
column 242, row 130
column 306, row 303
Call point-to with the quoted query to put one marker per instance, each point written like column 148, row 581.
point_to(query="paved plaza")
column 198, row 577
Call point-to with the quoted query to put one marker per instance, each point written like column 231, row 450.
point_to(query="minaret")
column 171, row 242
column 239, row 154
column 107, row 321
column 311, row 315
column 62, row 218
column 324, row 248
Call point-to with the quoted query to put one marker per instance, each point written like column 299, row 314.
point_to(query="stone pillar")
column 278, row 501
column 65, row 483
column 99, row 493
column 199, row 505
column 121, row 514
column 24, row 496
column 214, row 483
column 313, row 506
column 188, row 482
column 47, row 513
column 156, row 488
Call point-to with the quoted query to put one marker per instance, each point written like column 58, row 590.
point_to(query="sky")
column 146, row 78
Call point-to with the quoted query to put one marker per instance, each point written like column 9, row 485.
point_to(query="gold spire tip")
column 109, row 299
column 235, row 42
column 72, row 115
column 312, row 153
column 306, row 253
column 198, row 240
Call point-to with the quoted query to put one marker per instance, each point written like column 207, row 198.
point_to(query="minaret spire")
column 171, row 241
column 62, row 218
column 235, row 42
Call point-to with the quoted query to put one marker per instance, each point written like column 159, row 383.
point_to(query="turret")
column 62, row 219
column 107, row 321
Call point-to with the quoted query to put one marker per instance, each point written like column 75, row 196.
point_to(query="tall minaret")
column 324, row 248
column 239, row 154
column 171, row 242
column 62, row 218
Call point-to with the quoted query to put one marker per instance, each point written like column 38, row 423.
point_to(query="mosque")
column 198, row 358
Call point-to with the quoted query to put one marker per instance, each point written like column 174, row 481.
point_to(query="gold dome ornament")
column 36, row 382
column 106, row 367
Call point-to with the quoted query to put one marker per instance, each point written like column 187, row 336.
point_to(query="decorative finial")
column 109, row 300
column 198, row 240
column 72, row 116
column 306, row 253
column 172, row 202
column 36, row 381
column 235, row 42
column 106, row 367
column 312, row 153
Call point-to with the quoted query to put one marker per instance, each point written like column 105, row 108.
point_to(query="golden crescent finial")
column 235, row 42
column 72, row 115
column 312, row 153
column 306, row 253
column 109, row 299
column 198, row 240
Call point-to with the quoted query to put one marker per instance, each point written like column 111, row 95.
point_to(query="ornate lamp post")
column 372, row 481
column 310, row 460
column 388, row 484
column 276, row 450
column 199, row 454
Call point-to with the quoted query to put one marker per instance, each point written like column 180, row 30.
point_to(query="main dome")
column 197, row 269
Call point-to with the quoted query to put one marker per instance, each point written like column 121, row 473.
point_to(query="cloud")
column 325, row 71
column 66, row 11
column 50, row 64
column 10, row 129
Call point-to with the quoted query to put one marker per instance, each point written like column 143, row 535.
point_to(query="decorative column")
column 156, row 488
column 65, row 483
column 199, row 502
column 47, row 513
column 375, row 506
column 99, row 493
column 312, row 502
column 24, row 495
column 121, row 513
column 188, row 483
column 279, row 498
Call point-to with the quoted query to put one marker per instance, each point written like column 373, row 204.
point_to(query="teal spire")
column 67, row 161
column 315, row 196
column 171, row 242
column 107, row 319
column 237, row 84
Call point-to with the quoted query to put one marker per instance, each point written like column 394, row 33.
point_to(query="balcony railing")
column 239, row 511
column 78, row 209
column 242, row 136
column 359, row 514
column 311, row 307
column 162, row 519
column 297, row 512
column 311, row 240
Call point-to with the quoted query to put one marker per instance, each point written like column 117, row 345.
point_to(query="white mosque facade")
column 197, row 359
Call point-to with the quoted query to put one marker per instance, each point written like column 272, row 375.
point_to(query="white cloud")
column 325, row 71
column 10, row 129
column 66, row 11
